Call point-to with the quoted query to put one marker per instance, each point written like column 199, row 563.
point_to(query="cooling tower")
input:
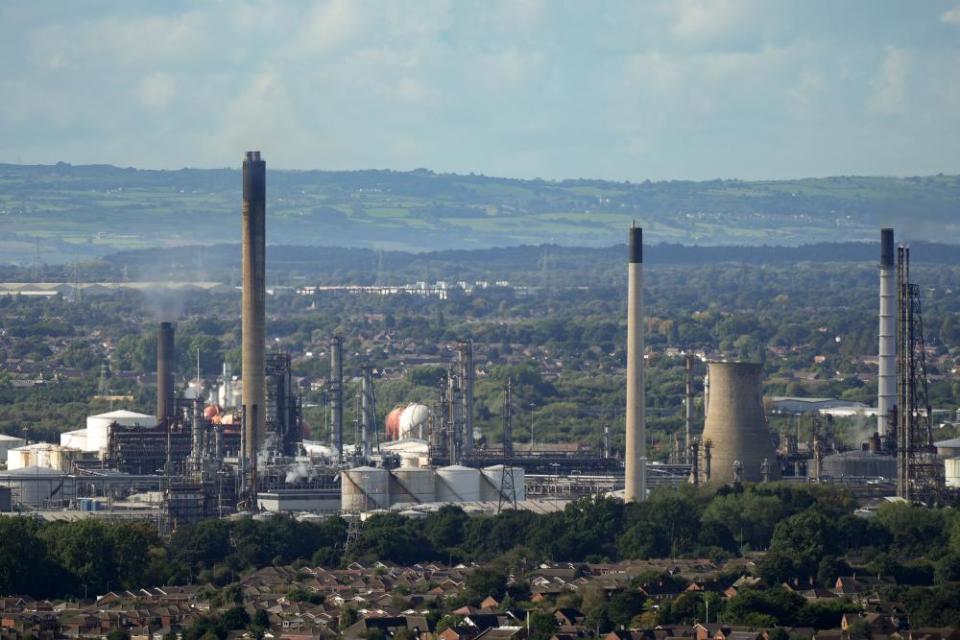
column 736, row 425
column 165, row 351
column 254, row 306
column 635, row 485
column 887, row 378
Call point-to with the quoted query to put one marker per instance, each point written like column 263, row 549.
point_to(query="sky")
column 553, row 89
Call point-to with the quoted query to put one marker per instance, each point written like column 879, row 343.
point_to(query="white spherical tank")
column 364, row 489
column 952, row 469
column 414, row 421
column 458, row 484
column 491, row 483
column 413, row 485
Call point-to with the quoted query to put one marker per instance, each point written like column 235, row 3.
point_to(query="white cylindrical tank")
column 414, row 421
column 952, row 469
column 98, row 425
column 364, row 489
column 19, row 458
column 43, row 454
column 457, row 483
column 411, row 484
column 491, row 483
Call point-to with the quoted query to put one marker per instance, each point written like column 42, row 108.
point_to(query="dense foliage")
column 809, row 532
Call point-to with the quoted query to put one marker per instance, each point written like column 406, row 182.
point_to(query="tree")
column 445, row 528
column 235, row 618
column 808, row 533
column 947, row 569
column 624, row 606
column 542, row 625
column 483, row 582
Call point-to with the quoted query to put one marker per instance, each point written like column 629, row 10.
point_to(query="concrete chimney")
column 165, row 352
column 736, row 425
column 254, row 307
column 887, row 378
column 635, row 487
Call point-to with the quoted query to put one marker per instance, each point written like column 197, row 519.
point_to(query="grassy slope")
column 63, row 212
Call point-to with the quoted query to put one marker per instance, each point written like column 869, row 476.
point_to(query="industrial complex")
column 245, row 451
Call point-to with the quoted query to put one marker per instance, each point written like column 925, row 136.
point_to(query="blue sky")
column 552, row 89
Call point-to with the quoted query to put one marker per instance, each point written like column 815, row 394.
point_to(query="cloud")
column 889, row 86
column 156, row 90
column 952, row 16
column 715, row 23
column 331, row 24
column 667, row 88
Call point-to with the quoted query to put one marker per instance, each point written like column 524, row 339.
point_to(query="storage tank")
column 38, row 486
column 736, row 425
column 43, row 454
column 410, row 484
column 414, row 421
column 9, row 442
column 457, row 483
column 952, row 469
column 19, row 458
column 98, row 426
column 858, row 464
column 491, row 482
column 364, row 489
column 392, row 424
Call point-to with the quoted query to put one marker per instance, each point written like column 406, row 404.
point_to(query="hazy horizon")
column 619, row 91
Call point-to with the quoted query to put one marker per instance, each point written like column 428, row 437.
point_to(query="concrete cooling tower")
column 736, row 425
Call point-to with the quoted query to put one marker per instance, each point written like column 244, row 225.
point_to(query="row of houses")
column 363, row 602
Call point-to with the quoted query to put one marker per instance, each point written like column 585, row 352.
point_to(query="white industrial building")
column 95, row 436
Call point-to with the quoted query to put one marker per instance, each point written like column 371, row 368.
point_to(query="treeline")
column 810, row 534
column 525, row 264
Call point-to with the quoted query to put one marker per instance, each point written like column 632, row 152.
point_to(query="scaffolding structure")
column 920, row 474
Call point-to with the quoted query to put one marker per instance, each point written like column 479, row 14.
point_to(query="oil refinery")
column 242, row 447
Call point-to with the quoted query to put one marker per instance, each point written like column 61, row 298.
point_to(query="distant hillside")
column 61, row 213
column 525, row 264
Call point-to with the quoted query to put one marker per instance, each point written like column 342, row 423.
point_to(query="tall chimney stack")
column 336, row 398
column 887, row 378
column 165, row 403
column 635, row 487
column 254, row 307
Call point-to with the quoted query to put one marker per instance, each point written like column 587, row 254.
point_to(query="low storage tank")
column 410, row 484
column 40, row 487
column 491, row 483
column 364, row 489
column 857, row 464
column 952, row 469
column 457, row 483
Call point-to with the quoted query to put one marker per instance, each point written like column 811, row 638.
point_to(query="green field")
column 63, row 213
